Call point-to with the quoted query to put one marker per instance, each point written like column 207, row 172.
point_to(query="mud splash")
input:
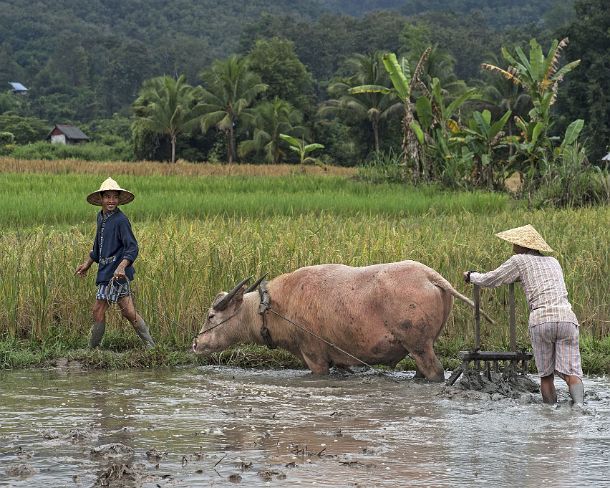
column 507, row 384
column 220, row 426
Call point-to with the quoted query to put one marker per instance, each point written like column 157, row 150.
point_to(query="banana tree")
column 484, row 137
column 539, row 75
column 436, row 123
column 302, row 149
column 403, row 86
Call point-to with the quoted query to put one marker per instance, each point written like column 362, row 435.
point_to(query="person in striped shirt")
column 553, row 326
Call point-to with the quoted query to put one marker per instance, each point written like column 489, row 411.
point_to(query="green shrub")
column 383, row 167
column 120, row 151
column 570, row 181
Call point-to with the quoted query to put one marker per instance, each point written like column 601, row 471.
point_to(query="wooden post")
column 477, row 322
column 511, row 317
column 477, row 317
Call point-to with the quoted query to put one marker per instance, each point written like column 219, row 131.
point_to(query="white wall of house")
column 58, row 139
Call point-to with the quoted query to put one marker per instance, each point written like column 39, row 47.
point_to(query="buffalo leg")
column 429, row 365
column 316, row 365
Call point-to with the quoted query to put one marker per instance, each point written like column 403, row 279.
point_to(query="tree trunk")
column 173, row 141
column 230, row 145
column 410, row 149
column 229, row 139
column 375, row 124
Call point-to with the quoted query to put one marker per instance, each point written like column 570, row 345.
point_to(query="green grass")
column 29, row 199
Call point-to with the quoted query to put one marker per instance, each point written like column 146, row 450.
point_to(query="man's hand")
column 119, row 273
column 82, row 269
column 467, row 276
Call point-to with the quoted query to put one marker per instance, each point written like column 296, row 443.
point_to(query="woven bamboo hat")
column 109, row 184
column 525, row 236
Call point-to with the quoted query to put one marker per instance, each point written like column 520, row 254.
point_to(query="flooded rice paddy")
column 217, row 426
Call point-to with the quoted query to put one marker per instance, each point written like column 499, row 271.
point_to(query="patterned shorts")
column 555, row 346
column 112, row 294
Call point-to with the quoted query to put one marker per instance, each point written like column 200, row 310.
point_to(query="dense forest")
column 96, row 64
column 82, row 60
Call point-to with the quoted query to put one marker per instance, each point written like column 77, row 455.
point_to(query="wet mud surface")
column 216, row 426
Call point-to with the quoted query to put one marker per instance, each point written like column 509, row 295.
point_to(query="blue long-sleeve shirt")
column 114, row 241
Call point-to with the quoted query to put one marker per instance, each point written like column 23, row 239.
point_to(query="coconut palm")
column 375, row 107
column 270, row 120
column 230, row 88
column 169, row 107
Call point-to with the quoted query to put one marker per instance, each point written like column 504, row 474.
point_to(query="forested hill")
column 83, row 60
column 502, row 13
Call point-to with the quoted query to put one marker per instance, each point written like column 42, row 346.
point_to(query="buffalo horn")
column 222, row 304
column 254, row 285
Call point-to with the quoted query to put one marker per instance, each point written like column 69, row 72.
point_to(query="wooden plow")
column 484, row 360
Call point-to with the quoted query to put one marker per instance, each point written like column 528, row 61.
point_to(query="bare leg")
column 99, row 323
column 575, row 386
column 547, row 388
column 129, row 312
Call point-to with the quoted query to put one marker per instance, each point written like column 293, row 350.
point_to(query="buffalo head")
column 221, row 328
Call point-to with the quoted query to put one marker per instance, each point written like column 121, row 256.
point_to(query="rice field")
column 200, row 234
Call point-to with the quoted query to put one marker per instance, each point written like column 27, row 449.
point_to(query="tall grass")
column 184, row 263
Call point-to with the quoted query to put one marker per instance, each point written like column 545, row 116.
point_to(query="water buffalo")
column 377, row 314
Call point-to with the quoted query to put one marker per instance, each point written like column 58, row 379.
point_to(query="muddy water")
column 220, row 427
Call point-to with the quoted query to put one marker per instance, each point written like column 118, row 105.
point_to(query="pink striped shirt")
column 542, row 280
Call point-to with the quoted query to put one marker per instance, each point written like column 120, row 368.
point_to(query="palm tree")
column 374, row 107
column 441, row 65
column 500, row 95
column 229, row 89
column 270, row 120
column 167, row 106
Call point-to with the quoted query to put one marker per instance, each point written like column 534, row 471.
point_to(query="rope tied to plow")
column 115, row 289
column 305, row 329
column 265, row 305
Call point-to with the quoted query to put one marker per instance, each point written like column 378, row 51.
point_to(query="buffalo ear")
column 222, row 304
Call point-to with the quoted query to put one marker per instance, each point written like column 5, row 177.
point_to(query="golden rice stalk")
column 149, row 168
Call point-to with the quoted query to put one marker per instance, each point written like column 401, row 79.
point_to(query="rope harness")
column 116, row 289
column 265, row 306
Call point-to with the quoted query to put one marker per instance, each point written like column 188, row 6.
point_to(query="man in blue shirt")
column 115, row 249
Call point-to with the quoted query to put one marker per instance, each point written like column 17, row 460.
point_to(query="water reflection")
column 211, row 426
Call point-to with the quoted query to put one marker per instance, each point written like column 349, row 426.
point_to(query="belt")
column 107, row 260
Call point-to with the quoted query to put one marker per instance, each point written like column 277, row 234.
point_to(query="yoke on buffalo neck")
column 265, row 304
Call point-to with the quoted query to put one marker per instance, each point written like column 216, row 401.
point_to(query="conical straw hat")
column 525, row 236
column 109, row 184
